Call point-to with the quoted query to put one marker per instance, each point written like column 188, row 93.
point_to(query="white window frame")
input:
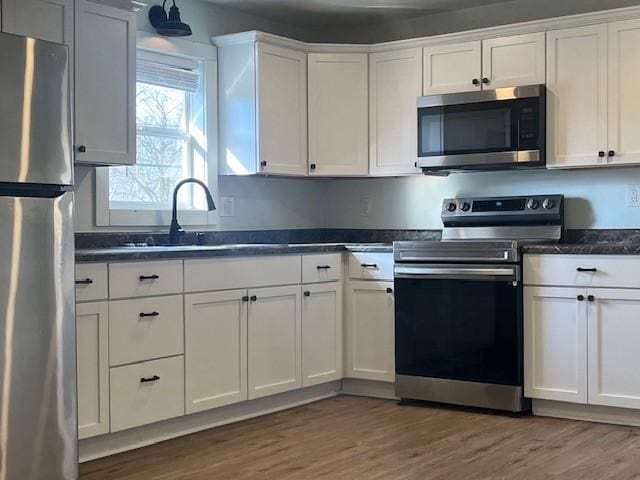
column 206, row 56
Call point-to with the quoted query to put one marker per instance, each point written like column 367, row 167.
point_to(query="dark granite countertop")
column 584, row 249
column 205, row 251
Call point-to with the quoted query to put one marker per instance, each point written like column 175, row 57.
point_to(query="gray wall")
column 472, row 18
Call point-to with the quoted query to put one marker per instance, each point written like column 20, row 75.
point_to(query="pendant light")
column 171, row 25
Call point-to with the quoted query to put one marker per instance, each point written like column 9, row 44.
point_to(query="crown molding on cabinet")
column 133, row 5
column 534, row 26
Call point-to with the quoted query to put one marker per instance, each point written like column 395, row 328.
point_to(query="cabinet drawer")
column 146, row 392
column 321, row 268
column 245, row 272
column 91, row 282
column 563, row 270
column 146, row 328
column 143, row 279
column 371, row 266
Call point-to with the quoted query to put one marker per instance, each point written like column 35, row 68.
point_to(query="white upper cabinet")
column 262, row 107
column 452, row 68
column 577, row 97
column 50, row 20
column 338, row 123
column 105, row 85
column 282, row 110
column 614, row 328
column 555, row 343
column 395, row 82
column 624, row 97
column 513, row 61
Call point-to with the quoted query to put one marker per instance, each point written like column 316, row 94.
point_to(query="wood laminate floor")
column 362, row 438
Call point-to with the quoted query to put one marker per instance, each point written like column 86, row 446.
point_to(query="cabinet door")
column 282, row 110
column 105, row 84
column 274, row 332
column 513, row 61
column 614, row 329
column 215, row 349
column 577, row 96
column 395, row 82
column 92, row 330
column 624, row 99
column 321, row 333
column 370, row 331
column 338, row 124
column 50, row 20
column 452, row 68
column 555, row 344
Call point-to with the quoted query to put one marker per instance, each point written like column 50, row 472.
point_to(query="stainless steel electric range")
column 459, row 313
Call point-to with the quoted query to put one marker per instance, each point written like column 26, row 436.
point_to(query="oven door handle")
column 480, row 273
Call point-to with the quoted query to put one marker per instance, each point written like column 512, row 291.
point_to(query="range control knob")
column 548, row 204
column 533, row 204
column 465, row 207
column 451, row 206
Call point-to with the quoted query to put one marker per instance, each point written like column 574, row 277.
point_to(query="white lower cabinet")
column 216, row 349
column 92, row 330
column 274, row 340
column 370, row 331
column 321, row 333
column 147, row 392
column 614, row 330
column 555, row 344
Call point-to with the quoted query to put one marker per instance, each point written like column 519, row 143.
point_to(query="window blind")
column 168, row 70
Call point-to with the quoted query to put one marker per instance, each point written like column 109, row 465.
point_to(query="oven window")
column 458, row 329
column 484, row 127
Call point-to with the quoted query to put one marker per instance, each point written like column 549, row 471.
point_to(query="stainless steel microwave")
column 498, row 129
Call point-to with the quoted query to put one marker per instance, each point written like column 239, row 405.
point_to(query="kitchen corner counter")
column 584, row 249
column 205, row 251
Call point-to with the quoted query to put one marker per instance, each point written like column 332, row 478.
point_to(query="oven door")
column 459, row 322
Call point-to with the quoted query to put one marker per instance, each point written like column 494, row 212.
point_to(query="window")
column 171, row 136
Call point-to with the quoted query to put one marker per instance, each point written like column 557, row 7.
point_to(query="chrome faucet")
column 175, row 230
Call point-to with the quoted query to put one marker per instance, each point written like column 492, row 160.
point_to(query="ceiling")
column 336, row 14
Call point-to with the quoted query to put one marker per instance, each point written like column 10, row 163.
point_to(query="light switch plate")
column 227, row 206
column 365, row 207
column 633, row 196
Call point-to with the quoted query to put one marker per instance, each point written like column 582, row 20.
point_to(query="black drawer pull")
column 369, row 265
column 612, row 153
column 254, row 298
column 86, row 281
column 148, row 277
column 580, row 269
column 82, row 149
column 155, row 378
column 591, row 298
column 245, row 298
column 152, row 314
column 323, row 267
column 601, row 154
column 580, row 298
column 389, row 290
column 307, row 293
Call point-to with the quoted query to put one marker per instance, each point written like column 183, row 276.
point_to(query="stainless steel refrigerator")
column 38, row 413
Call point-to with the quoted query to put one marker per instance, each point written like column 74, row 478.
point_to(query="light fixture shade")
column 171, row 26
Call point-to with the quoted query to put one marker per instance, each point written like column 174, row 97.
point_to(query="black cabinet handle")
column 580, row 298
column 485, row 80
column 155, row 378
column 82, row 149
column 323, row 267
column 601, row 153
column 307, row 293
column 151, row 314
column 475, row 81
column 389, row 290
column 263, row 163
column 612, row 153
column 148, row 277
column 86, row 281
column 580, row 269
column 591, row 298
column 312, row 166
column 253, row 298
column 369, row 265
column 245, row 298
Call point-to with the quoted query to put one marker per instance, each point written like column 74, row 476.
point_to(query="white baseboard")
column 112, row 443
column 587, row 413
column 369, row 388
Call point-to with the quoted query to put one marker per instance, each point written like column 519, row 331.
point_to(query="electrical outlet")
column 365, row 207
column 227, row 206
column 633, row 196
